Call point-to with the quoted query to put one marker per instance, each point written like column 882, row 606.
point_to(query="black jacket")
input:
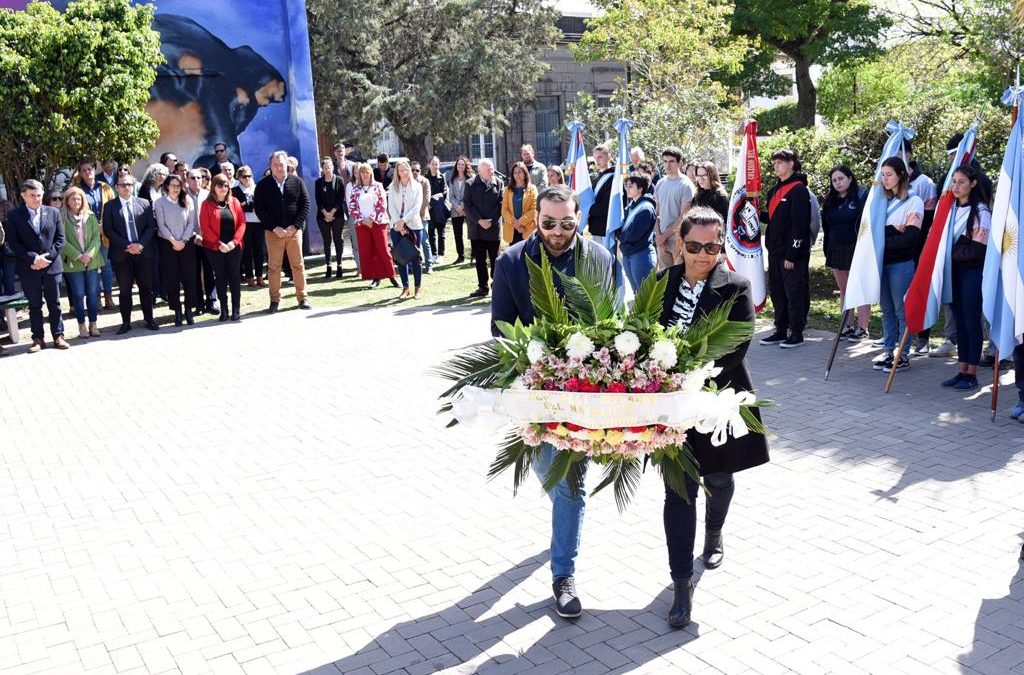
column 116, row 229
column 716, row 201
column 330, row 196
column 788, row 234
column 26, row 244
column 751, row 450
column 281, row 210
column 483, row 202
column 597, row 217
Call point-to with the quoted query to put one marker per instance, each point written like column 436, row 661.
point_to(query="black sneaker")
column 272, row 309
column 567, row 604
column 776, row 338
column 987, row 361
column 792, row 342
column 847, row 332
column 883, row 363
column 479, row 293
column 857, row 335
column 902, row 364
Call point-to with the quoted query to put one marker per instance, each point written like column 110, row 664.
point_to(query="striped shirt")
column 686, row 302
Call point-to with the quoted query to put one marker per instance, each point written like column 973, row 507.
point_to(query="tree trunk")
column 806, row 93
column 416, row 148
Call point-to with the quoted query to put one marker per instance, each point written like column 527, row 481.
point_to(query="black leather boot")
column 714, row 551
column 177, row 317
column 682, row 603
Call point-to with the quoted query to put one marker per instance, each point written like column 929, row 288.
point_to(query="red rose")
column 572, row 384
column 637, row 430
column 589, row 387
column 572, row 427
column 551, row 425
column 617, row 388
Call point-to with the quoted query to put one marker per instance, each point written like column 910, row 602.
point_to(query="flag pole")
column 835, row 343
column 995, row 384
column 896, row 360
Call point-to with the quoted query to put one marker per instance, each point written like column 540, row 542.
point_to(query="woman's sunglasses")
column 696, row 247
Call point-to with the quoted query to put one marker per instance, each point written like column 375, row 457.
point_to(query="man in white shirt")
column 673, row 195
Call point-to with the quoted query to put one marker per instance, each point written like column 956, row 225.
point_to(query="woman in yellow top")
column 519, row 206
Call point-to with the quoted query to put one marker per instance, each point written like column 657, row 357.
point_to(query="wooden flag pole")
column 896, row 360
column 847, row 314
column 995, row 384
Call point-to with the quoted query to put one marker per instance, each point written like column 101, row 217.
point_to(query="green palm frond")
column 578, row 300
column 569, row 466
column 714, row 335
column 545, row 299
column 624, row 477
column 476, row 366
column 512, row 453
column 675, row 464
column 599, row 283
column 649, row 298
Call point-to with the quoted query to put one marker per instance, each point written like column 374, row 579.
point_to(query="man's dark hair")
column 640, row 181
column 787, row 155
column 339, row 146
column 383, row 158
column 164, row 156
column 673, row 152
column 908, row 146
column 700, row 216
column 84, row 162
column 557, row 193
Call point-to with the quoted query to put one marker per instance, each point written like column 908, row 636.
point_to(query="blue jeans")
column 87, row 284
column 967, row 311
column 107, row 272
column 7, row 273
column 417, row 268
column 425, row 245
column 895, row 282
column 638, row 266
column 566, row 517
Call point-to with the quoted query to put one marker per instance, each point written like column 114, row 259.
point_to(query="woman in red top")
column 222, row 222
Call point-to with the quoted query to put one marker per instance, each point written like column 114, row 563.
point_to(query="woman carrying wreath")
column 699, row 283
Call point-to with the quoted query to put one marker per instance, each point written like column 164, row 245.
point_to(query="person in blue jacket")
column 634, row 236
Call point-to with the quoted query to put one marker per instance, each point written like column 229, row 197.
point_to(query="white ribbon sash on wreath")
column 707, row 412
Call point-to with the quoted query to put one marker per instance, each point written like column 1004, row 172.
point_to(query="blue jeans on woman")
column 895, row 282
column 84, row 284
column 417, row 267
column 566, row 516
column 107, row 272
column 638, row 266
column 967, row 311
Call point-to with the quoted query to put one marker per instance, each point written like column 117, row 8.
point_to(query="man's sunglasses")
column 567, row 225
column 126, row 185
column 245, row 175
column 696, row 247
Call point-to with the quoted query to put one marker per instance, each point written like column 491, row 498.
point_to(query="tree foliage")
column 75, row 85
column 671, row 51
column 433, row 71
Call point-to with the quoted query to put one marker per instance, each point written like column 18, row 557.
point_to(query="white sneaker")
column 947, row 348
column 923, row 348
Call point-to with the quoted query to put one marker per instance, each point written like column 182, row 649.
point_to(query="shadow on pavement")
column 998, row 644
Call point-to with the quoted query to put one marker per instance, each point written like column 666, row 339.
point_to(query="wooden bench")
column 10, row 309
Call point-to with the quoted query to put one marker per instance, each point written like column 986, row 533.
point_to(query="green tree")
column 74, row 86
column 433, row 71
column 671, row 51
column 809, row 32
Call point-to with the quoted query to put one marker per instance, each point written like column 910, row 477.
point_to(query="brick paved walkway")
column 278, row 497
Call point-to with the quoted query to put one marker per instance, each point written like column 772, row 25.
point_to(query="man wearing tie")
column 36, row 234
column 130, row 228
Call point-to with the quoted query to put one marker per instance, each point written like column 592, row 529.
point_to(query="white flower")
column 664, row 352
column 627, row 343
column 536, row 351
column 579, row 345
column 695, row 380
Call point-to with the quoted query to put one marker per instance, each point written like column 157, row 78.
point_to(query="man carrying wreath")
column 556, row 235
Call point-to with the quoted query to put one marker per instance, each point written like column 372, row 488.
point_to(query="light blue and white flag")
column 617, row 202
column 1002, row 287
column 577, row 173
column 865, row 281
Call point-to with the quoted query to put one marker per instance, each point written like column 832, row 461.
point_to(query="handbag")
column 439, row 210
column 403, row 250
column 968, row 252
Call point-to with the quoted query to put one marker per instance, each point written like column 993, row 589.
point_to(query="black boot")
column 682, row 603
column 327, row 274
column 714, row 552
column 177, row 317
column 189, row 319
column 224, row 313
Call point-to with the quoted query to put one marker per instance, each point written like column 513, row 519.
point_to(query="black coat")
column 788, row 234
column 330, row 196
column 483, row 202
column 116, row 229
column 751, row 450
column 597, row 217
column 26, row 244
column 275, row 209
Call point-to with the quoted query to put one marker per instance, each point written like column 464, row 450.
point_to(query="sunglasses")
column 244, row 175
column 696, row 247
column 567, row 225
column 126, row 185
column 56, row 199
column 220, row 149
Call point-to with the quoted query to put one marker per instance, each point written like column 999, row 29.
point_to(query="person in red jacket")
column 222, row 222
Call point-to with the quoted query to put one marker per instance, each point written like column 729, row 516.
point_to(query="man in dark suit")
column 281, row 202
column 128, row 224
column 36, row 234
column 483, row 214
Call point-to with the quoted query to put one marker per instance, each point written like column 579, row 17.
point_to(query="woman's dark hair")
column 216, row 182
column 469, row 168
column 182, row 192
column 512, row 175
column 639, row 181
column 900, row 167
column 831, row 196
column 700, row 216
column 713, row 177
column 787, row 155
column 977, row 196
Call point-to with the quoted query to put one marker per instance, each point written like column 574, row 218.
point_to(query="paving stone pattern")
column 277, row 496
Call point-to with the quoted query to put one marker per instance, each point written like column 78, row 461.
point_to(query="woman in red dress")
column 369, row 209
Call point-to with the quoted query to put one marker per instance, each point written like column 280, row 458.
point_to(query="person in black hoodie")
column 597, row 217
column 788, row 238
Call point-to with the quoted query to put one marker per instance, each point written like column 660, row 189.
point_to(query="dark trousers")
column 129, row 272
column 40, row 286
column 681, row 519
column 206, row 288
column 254, row 252
column 460, row 245
column 967, row 311
column 178, row 269
column 437, row 236
column 158, row 285
column 227, row 271
column 1018, row 371
column 332, row 231
column 790, row 293
column 484, row 252
column 7, row 273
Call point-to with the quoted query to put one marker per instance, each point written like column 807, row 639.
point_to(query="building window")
column 603, row 100
column 548, row 139
column 481, row 146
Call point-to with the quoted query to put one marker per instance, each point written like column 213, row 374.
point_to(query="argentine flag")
column 578, row 173
column 1002, row 285
column 932, row 285
column 865, row 282
column 616, row 204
